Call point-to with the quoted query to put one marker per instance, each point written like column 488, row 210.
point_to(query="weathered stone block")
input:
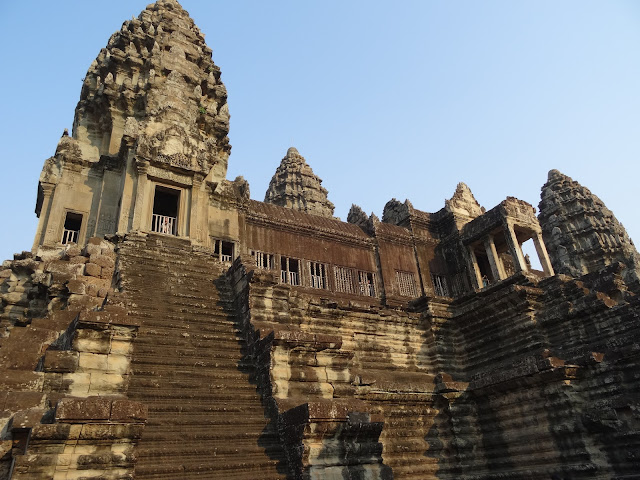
column 92, row 361
column 127, row 411
column 94, row 341
column 79, row 260
column 118, row 364
column 92, row 270
column 106, row 261
column 76, row 383
column 72, row 410
column 76, row 286
column 28, row 418
column 106, row 383
column 20, row 400
column 121, row 347
column 92, row 290
column 60, row 361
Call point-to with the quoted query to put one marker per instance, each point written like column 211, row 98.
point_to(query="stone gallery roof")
column 296, row 218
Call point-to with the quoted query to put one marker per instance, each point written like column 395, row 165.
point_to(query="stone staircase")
column 205, row 416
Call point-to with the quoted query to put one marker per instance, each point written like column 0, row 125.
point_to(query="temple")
column 165, row 325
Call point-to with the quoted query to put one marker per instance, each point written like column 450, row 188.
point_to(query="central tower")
column 149, row 135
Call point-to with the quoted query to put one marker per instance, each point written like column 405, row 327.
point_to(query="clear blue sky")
column 402, row 99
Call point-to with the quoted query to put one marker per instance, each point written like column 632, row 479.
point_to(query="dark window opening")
column 367, row 283
column 165, row 211
column 318, row 275
column 485, row 269
column 223, row 250
column 440, row 285
column 263, row 260
column 71, row 230
column 290, row 271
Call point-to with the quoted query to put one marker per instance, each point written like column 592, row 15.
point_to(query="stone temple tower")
column 168, row 326
column 149, row 136
column 294, row 185
column 582, row 234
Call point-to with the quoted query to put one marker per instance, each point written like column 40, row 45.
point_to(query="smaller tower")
column 295, row 186
column 581, row 233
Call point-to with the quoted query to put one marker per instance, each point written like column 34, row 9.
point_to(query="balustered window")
column 344, row 279
column 223, row 250
column 367, row 283
column 440, row 285
column 317, row 275
column 290, row 270
column 406, row 284
column 71, row 230
column 263, row 260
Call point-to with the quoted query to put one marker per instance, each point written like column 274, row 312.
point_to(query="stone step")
column 206, row 418
column 169, row 322
column 170, row 264
column 242, row 468
column 225, row 403
column 234, row 400
column 214, row 376
column 217, row 329
column 212, row 435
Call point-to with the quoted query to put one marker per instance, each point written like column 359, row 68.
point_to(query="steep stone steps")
column 206, row 419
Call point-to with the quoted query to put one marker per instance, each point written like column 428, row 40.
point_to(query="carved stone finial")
column 356, row 216
column 463, row 202
column 395, row 212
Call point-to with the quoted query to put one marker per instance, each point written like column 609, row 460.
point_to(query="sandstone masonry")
column 165, row 325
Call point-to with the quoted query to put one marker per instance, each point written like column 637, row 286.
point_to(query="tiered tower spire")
column 294, row 185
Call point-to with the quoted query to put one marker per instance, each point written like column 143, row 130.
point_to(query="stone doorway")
column 166, row 202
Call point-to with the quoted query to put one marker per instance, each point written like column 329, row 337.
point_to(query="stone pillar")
column 474, row 268
column 541, row 249
column 139, row 222
column 45, row 210
column 196, row 216
column 497, row 268
column 514, row 248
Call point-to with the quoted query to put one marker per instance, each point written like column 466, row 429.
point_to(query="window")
column 290, row 271
column 440, row 286
column 263, row 260
column 367, row 283
column 165, row 210
column 406, row 284
column 318, row 275
column 344, row 279
column 71, row 230
column 223, row 250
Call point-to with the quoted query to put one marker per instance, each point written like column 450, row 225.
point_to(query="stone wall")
column 65, row 363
